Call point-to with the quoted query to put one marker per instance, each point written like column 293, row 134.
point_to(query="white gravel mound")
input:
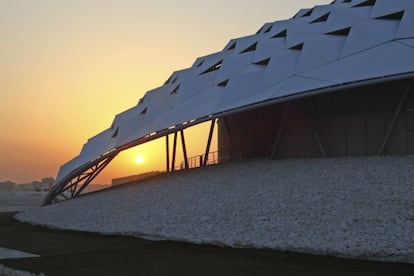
column 348, row 207
column 6, row 253
column 5, row 271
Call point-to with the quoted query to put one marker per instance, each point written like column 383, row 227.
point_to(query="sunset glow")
column 68, row 67
column 139, row 160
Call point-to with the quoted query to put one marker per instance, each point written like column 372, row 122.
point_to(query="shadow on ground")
column 79, row 253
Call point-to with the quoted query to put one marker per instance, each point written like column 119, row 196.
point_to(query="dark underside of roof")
column 374, row 119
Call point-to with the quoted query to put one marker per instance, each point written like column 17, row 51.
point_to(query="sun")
column 139, row 160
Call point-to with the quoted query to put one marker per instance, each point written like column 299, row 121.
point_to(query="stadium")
column 315, row 122
column 332, row 81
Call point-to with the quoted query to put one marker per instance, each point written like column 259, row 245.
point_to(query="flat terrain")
column 80, row 253
column 12, row 201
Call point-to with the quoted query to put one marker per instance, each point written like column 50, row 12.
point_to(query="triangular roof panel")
column 241, row 86
column 191, row 87
column 363, row 3
column 269, row 47
column 388, row 59
column 281, row 66
column 382, row 7
column 298, row 34
column 233, row 65
column 368, row 34
column 405, row 29
column 408, row 42
column 320, row 51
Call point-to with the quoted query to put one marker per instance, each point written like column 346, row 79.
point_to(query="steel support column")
column 394, row 120
column 280, row 132
column 226, row 126
column 174, row 152
column 317, row 138
column 210, row 136
column 184, row 149
column 167, row 151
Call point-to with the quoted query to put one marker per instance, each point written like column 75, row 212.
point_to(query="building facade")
column 375, row 119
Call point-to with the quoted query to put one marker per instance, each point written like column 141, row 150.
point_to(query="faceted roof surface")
column 320, row 49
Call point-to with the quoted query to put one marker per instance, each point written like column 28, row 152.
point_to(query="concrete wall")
column 346, row 123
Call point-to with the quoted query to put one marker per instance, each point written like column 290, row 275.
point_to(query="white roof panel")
column 408, row 42
column 240, row 86
column 128, row 124
column 244, row 42
column 269, row 47
column 296, row 84
column 320, row 51
column 68, row 167
column 385, row 60
column 232, row 65
column 369, row 33
column 406, row 29
column 281, row 66
column 299, row 34
column 383, row 8
column 191, row 87
column 201, row 105
column 98, row 145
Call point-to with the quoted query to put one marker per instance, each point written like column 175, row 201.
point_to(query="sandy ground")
column 15, row 201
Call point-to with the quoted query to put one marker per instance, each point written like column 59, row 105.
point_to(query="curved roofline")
column 148, row 138
column 324, row 49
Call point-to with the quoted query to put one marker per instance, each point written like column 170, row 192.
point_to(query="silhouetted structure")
column 334, row 80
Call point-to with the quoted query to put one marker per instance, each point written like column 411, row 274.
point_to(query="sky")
column 67, row 67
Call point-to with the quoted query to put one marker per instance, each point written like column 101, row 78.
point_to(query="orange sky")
column 68, row 67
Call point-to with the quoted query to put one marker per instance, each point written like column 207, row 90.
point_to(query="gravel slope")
column 6, row 253
column 349, row 207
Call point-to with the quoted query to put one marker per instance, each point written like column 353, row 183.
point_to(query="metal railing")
column 198, row 161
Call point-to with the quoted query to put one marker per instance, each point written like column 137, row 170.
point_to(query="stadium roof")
column 328, row 47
